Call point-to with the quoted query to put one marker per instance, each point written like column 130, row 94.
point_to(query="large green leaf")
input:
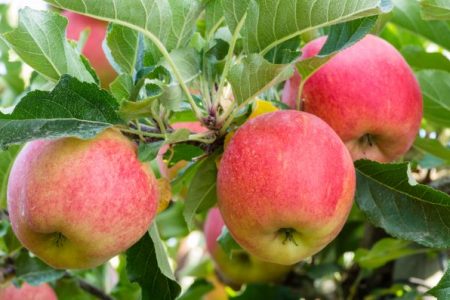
column 271, row 22
column 435, row 86
column 442, row 290
column 255, row 75
column 392, row 200
column 171, row 21
column 40, row 41
column 144, row 267
column 435, row 9
column 73, row 108
column 407, row 15
column 202, row 190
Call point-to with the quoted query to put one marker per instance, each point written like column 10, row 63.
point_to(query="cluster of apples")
column 285, row 184
column 286, row 181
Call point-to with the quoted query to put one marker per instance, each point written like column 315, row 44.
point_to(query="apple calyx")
column 367, row 139
column 288, row 235
column 59, row 239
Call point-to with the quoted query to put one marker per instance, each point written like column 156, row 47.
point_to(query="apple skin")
column 285, row 186
column 242, row 267
column 77, row 203
column 92, row 49
column 28, row 292
column 365, row 90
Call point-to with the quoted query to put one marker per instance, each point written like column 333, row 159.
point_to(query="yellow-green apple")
column 368, row 94
column 77, row 203
column 241, row 267
column 285, row 186
column 92, row 49
column 28, row 292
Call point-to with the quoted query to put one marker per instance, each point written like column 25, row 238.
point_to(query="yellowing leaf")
column 165, row 194
column 261, row 107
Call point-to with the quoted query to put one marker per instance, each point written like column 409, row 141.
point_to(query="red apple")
column 242, row 267
column 93, row 49
column 28, row 292
column 368, row 94
column 77, row 203
column 285, row 186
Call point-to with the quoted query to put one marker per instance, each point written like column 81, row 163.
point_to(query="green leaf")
column 185, row 177
column 433, row 147
column 40, row 42
column 72, row 109
column 34, row 271
column 227, row 243
column 161, row 255
column 265, row 291
column 123, row 44
column 407, row 15
column 171, row 222
column 435, row 86
column 272, row 22
column 148, row 151
column 171, row 21
column 344, row 35
column 144, row 268
column 202, row 190
column 121, row 88
column 284, row 53
column 182, row 152
column 255, row 75
column 187, row 61
column 392, row 200
column 69, row 288
column 178, row 136
column 213, row 15
column 197, row 290
column 442, row 290
column 384, row 251
column 435, row 9
column 341, row 36
column 6, row 161
column 418, row 58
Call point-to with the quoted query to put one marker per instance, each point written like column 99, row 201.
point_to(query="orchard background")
column 179, row 78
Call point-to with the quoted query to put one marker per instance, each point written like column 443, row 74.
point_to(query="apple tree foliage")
column 180, row 60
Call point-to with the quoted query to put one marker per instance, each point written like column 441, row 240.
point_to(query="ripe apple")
column 368, row 94
column 28, row 292
column 242, row 267
column 92, row 49
column 285, row 186
column 77, row 203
